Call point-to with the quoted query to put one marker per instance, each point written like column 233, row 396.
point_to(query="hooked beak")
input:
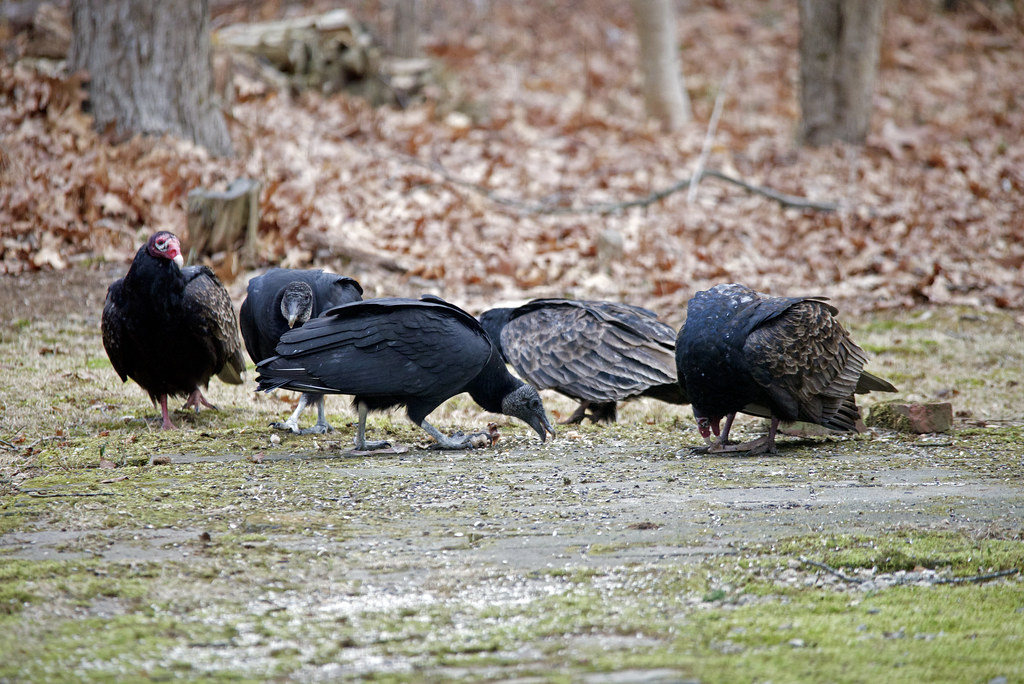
column 178, row 259
column 543, row 427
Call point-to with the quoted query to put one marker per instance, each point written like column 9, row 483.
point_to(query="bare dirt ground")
column 610, row 554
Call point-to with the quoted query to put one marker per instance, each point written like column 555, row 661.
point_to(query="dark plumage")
column 784, row 358
column 401, row 352
column 170, row 328
column 282, row 299
column 595, row 352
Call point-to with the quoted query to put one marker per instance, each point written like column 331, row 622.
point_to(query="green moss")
column 920, row 347
column 908, row 549
column 895, row 324
column 14, row 599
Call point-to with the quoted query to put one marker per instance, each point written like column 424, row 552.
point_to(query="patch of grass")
column 917, row 348
column 907, row 549
column 907, row 634
column 245, row 558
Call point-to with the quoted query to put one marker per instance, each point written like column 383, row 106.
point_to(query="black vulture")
column 595, row 352
column 784, row 358
column 284, row 298
column 401, row 352
column 170, row 328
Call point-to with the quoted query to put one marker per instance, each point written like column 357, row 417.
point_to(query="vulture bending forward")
column 401, row 352
column 282, row 299
column 170, row 328
column 784, row 358
column 597, row 353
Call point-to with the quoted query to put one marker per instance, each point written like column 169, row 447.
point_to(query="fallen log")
column 327, row 51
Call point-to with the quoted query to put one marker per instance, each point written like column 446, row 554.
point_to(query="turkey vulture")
column 284, row 298
column 401, row 352
column 784, row 358
column 170, row 328
column 595, row 352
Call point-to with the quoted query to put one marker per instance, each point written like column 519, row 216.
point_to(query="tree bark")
column 839, row 45
column 664, row 95
column 149, row 68
column 405, row 29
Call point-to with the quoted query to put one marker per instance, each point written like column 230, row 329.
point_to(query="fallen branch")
column 788, row 201
column 979, row 578
column 38, row 493
column 938, row 580
column 831, row 570
column 42, row 439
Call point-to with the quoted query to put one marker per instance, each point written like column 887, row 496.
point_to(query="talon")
column 289, row 427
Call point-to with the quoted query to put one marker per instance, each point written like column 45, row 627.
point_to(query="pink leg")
column 168, row 425
column 724, row 439
column 196, row 399
column 761, row 445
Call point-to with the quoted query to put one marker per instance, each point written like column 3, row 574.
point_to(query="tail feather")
column 233, row 369
column 872, row 383
column 278, row 372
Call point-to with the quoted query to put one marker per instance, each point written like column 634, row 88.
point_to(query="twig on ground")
column 978, row 578
column 938, row 580
column 705, row 150
column 38, row 493
column 788, row 201
column 42, row 439
column 829, row 569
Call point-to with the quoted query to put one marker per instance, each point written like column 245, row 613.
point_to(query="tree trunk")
column 839, row 41
column 664, row 96
column 149, row 68
column 405, row 29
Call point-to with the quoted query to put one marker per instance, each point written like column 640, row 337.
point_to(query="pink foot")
column 196, row 399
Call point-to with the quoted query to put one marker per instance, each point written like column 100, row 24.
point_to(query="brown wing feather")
column 807, row 356
column 213, row 305
column 570, row 350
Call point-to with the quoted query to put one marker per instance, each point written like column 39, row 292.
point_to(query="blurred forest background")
column 509, row 156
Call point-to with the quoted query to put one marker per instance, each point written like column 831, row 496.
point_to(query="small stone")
column 797, row 643
column 275, row 439
column 915, row 418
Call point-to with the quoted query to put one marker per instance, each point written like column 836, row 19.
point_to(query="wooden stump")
column 225, row 221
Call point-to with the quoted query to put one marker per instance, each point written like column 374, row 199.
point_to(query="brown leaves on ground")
column 538, row 109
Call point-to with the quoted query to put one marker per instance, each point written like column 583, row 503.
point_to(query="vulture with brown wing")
column 596, row 352
column 783, row 358
column 170, row 329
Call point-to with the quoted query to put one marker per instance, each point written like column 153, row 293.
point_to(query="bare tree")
column 149, row 67
column 839, row 41
column 664, row 95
